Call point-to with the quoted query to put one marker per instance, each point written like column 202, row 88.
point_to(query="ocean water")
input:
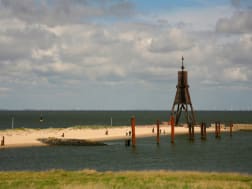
column 227, row 154
column 57, row 119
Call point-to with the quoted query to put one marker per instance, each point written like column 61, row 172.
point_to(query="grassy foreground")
column 130, row 180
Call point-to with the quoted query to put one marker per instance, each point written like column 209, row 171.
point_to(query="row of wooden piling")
column 218, row 129
column 202, row 131
column 190, row 127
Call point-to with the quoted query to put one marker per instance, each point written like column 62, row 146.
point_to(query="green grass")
column 126, row 180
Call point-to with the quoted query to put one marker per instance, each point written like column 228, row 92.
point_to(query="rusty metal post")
column 133, row 132
column 231, row 129
column 172, row 129
column 158, row 138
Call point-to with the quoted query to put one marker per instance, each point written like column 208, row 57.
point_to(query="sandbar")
column 29, row 137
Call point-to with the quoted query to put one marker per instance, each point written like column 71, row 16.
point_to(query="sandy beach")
column 29, row 137
column 24, row 137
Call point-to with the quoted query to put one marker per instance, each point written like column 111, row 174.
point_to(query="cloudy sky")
column 124, row 54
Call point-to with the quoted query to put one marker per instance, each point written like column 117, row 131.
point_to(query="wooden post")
column 172, row 129
column 133, row 132
column 203, row 130
column 2, row 141
column 158, row 138
column 217, row 129
column 191, row 131
column 231, row 129
column 127, row 142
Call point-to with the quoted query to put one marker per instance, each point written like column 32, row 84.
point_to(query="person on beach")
column 153, row 130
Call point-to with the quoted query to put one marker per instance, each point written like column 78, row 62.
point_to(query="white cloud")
column 49, row 51
column 235, row 74
column 172, row 40
column 240, row 22
column 43, row 53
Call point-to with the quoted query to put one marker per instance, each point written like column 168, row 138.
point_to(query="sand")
column 29, row 137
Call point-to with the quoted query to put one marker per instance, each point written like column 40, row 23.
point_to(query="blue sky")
column 164, row 5
column 122, row 54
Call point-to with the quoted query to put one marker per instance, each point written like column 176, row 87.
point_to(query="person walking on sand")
column 129, row 133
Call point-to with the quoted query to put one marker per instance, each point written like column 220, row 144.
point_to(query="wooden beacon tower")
column 182, row 99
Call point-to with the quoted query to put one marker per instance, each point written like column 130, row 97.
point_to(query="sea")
column 62, row 119
column 224, row 154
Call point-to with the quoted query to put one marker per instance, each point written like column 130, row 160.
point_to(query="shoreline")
column 18, row 138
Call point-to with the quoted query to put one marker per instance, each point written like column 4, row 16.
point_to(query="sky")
column 124, row 54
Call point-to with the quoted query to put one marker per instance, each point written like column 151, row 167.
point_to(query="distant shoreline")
column 93, row 118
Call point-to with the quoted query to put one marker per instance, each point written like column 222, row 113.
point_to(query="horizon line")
column 35, row 109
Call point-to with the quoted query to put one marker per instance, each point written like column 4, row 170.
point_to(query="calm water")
column 30, row 119
column 224, row 155
column 228, row 154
